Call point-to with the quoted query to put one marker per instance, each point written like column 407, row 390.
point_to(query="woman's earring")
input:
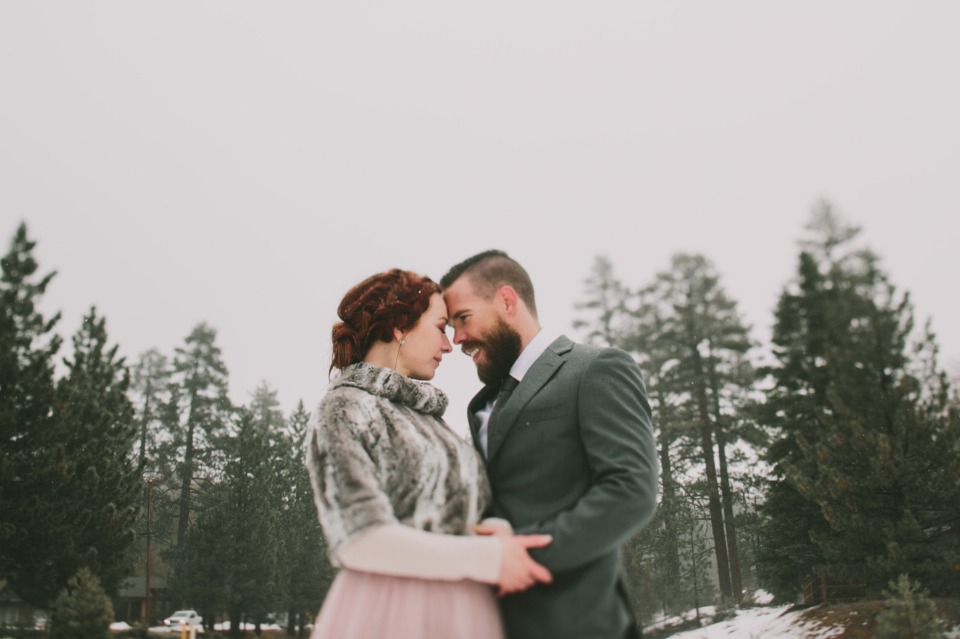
column 397, row 361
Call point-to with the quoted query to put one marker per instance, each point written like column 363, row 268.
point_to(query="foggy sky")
column 245, row 163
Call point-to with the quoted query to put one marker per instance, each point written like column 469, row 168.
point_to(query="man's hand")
column 493, row 526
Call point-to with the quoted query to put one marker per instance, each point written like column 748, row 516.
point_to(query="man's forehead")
column 458, row 291
column 456, row 308
column 460, row 301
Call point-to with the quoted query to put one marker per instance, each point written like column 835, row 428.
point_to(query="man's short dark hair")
column 490, row 270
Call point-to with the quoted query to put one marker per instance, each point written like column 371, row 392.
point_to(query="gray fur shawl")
column 379, row 452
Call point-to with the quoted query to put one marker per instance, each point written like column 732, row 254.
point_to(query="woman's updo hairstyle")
column 372, row 309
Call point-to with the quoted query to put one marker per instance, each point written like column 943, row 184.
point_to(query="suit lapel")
column 539, row 374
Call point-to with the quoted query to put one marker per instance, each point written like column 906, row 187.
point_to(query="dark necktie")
column 506, row 388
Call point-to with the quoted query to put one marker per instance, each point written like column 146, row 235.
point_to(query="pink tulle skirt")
column 367, row 606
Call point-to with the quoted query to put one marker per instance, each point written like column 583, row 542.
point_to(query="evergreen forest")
column 147, row 468
column 822, row 465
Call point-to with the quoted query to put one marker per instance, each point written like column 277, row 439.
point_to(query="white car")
column 183, row 618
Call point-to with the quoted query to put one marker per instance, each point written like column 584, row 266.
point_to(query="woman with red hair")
column 399, row 495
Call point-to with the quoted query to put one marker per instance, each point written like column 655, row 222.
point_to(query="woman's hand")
column 518, row 571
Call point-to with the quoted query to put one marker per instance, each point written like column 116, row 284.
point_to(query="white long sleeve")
column 395, row 549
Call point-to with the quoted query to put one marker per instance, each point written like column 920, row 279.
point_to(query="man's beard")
column 501, row 347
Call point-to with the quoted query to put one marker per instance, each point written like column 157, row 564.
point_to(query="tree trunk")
column 236, row 622
column 185, row 484
column 143, row 427
column 736, row 581
column 713, row 491
column 668, row 505
column 187, row 479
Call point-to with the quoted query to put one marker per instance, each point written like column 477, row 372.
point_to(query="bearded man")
column 566, row 433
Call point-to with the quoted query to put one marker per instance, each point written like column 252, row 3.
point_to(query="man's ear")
column 508, row 299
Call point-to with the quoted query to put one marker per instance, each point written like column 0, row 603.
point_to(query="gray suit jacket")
column 572, row 454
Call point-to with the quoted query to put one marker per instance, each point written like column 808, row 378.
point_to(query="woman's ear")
column 398, row 335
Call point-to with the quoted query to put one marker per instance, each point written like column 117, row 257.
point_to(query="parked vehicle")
column 183, row 618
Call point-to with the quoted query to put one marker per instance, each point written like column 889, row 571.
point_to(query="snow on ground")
column 761, row 623
column 245, row 626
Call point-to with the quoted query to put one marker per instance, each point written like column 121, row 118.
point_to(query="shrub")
column 82, row 610
column 909, row 614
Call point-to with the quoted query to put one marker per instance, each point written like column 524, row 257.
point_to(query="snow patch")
column 760, row 623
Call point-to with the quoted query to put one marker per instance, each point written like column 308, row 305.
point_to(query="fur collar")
column 389, row 384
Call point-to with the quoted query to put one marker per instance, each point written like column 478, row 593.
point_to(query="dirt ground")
column 859, row 619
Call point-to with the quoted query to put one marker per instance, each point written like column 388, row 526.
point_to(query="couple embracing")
column 515, row 533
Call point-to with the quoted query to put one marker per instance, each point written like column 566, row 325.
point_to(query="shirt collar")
column 531, row 353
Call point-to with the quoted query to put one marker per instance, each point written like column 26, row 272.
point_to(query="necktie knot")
column 508, row 384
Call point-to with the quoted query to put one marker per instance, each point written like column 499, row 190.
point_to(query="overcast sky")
column 245, row 163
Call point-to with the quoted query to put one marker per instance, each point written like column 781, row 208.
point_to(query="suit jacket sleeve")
column 617, row 436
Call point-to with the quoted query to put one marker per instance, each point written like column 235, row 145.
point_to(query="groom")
column 566, row 434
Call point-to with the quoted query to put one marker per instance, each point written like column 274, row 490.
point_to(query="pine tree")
column 164, row 459
column 229, row 558
column 695, row 548
column 201, row 412
column 750, row 480
column 606, row 303
column 641, row 575
column 909, row 613
column 687, row 336
column 93, row 486
column 262, row 447
column 692, row 324
column 692, row 346
column 253, row 513
column 201, row 568
column 28, row 346
column 786, row 555
column 96, row 418
column 82, row 610
column 149, row 382
column 150, row 392
column 664, row 532
column 305, row 570
column 867, row 487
